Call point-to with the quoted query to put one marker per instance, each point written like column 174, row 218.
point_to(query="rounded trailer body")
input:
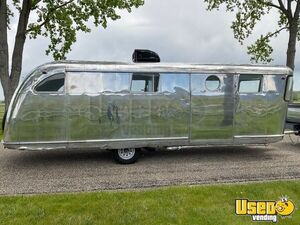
column 72, row 104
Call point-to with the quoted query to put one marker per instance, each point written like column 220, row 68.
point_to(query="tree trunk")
column 8, row 94
column 17, row 56
column 293, row 30
column 291, row 51
column 4, row 62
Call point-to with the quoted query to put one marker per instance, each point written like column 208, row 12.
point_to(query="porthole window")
column 52, row 84
column 212, row 83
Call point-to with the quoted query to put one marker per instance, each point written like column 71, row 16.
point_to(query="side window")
column 54, row 84
column 197, row 83
column 201, row 83
column 173, row 83
column 97, row 82
column 212, row 83
column 250, row 83
column 82, row 82
column 144, row 82
column 289, row 89
column 115, row 82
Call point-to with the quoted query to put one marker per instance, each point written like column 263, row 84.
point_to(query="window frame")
column 288, row 92
column 219, row 86
column 153, row 81
column 260, row 87
column 175, row 75
column 43, row 78
column 100, row 74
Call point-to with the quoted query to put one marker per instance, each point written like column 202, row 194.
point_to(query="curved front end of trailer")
column 27, row 124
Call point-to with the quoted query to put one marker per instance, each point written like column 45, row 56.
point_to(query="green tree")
column 59, row 20
column 249, row 12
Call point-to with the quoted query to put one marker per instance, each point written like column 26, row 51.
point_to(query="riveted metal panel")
column 263, row 112
column 212, row 110
column 98, row 114
column 277, row 107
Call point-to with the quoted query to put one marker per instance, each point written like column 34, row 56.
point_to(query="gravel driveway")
column 69, row 171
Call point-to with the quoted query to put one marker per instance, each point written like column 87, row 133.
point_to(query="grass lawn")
column 208, row 204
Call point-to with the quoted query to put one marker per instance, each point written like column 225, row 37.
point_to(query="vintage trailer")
column 128, row 106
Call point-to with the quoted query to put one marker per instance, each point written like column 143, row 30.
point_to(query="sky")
column 179, row 31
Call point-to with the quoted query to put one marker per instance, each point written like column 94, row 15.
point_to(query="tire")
column 149, row 149
column 126, row 155
column 3, row 120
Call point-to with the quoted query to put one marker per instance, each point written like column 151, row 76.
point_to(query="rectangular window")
column 250, row 83
column 289, row 89
column 97, row 82
column 144, row 82
column 115, row 82
column 52, row 84
column 82, row 82
column 173, row 83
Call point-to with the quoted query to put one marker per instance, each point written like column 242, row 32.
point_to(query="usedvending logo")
column 264, row 210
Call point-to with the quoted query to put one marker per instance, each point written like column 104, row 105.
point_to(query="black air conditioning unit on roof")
column 145, row 56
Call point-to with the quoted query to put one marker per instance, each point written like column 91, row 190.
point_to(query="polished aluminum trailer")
column 128, row 106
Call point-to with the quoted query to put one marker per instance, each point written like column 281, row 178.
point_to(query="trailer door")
column 212, row 108
column 251, row 112
column 160, row 106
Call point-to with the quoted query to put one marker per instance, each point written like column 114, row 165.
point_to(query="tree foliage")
column 249, row 12
column 61, row 20
column 58, row 20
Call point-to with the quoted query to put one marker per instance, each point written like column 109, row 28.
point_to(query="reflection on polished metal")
column 97, row 105
column 293, row 115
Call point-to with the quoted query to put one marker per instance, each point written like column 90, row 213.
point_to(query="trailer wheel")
column 3, row 120
column 126, row 155
column 149, row 149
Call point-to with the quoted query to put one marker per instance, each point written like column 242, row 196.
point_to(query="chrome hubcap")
column 126, row 153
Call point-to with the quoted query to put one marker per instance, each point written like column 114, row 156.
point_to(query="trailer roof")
column 166, row 67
